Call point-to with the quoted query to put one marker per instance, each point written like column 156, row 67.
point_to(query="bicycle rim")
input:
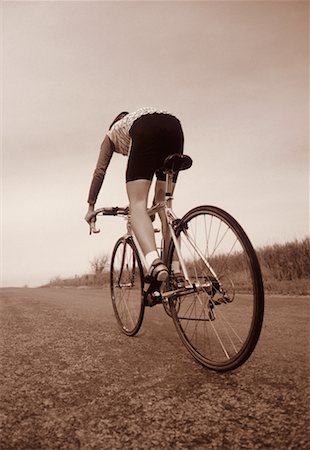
column 126, row 281
column 220, row 323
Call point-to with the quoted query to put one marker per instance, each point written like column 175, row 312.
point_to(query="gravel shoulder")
column 71, row 380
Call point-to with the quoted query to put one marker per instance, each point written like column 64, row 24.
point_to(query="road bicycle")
column 214, row 292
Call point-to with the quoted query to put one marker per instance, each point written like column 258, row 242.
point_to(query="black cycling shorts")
column 154, row 137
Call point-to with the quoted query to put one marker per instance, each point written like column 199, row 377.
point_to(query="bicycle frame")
column 171, row 219
column 165, row 205
column 170, row 216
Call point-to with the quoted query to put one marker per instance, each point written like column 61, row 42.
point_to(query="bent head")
column 117, row 118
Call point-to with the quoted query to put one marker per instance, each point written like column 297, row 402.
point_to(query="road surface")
column 71, row 380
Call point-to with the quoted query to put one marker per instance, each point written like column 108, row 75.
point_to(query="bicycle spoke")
column 124, row 308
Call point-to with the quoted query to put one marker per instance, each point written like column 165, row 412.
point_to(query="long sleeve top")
column 116, row 140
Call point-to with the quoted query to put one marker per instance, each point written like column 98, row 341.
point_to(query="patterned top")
column 119, row 133
column 120, row 138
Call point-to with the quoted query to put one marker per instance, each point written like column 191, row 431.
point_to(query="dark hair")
column 119, row 117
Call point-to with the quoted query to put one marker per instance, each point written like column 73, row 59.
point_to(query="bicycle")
column 216, row 299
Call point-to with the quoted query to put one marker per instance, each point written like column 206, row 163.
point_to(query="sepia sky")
column 234, row 73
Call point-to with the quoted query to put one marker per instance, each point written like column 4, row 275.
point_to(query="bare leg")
column 160, row 190
column 138, row 191
column 143, row 229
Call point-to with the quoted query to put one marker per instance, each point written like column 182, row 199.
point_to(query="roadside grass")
column 285, row 269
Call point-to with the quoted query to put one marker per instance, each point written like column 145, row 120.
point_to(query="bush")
column 290, row 261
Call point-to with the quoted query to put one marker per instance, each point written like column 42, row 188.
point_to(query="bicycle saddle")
column 177, row 162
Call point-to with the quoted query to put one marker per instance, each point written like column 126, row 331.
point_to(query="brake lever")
column 92, row 228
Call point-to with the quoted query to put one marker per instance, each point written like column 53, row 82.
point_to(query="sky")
column 236, row 73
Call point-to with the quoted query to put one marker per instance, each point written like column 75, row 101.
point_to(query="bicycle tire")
column 220, row 324
column 126, row 283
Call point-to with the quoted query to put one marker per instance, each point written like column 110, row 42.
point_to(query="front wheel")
column 126, row 281
column 219, row 320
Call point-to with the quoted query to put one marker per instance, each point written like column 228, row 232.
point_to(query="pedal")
column 152, row 295
column 153, row 299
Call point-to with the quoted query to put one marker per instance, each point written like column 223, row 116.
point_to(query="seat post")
column 169, row 185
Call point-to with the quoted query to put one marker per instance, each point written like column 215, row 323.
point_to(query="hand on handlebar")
column 91, row 220
column 91, row 215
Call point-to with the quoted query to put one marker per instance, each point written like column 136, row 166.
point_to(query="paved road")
column 71, row 380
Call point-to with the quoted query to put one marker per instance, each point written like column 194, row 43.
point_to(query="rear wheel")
column 126, row 280
column 220, row 321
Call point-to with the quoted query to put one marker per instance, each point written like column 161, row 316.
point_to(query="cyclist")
column 147, row 136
